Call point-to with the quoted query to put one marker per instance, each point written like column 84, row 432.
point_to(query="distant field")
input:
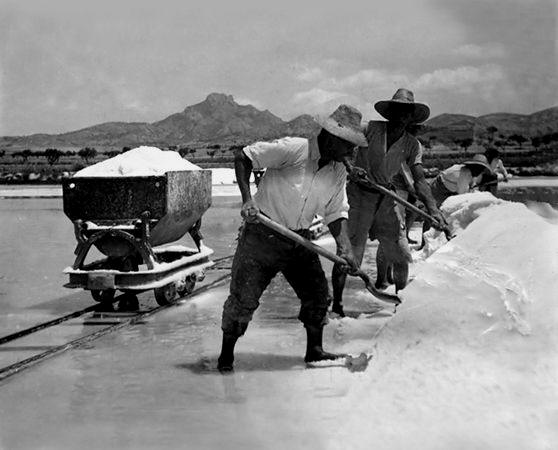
column 520, row 161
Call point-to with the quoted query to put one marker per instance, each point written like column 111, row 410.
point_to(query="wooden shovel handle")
column 284, row 231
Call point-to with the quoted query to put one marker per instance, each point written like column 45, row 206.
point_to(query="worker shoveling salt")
column 140, row 161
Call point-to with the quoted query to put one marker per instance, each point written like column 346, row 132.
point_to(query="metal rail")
column 59, row 320
column 50, row 323
column 19, row 366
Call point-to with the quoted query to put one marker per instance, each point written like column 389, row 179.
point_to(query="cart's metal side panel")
column 188, row 197
column 114, row 198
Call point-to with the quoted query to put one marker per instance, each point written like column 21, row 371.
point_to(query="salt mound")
column 140, row 161
column 460, row 211
column 470, row 360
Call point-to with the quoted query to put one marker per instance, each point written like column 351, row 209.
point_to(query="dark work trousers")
column 489, row 182
column 260, row 255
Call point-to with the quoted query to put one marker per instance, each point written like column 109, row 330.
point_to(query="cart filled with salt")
column 131, row 207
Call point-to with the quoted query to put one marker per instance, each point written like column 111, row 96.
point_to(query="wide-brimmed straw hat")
column 478, row 160
column 345, row 123
column 403, row 98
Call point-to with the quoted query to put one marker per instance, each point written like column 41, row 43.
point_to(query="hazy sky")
column 68, row 64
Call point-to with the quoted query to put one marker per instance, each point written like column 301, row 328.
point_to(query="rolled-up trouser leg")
column 363, row 207
column 254, row 266
column 305, row 274
column 397, row 255
column 393, row 251
column 381, row 268
column 400, row 275
column 362, row 210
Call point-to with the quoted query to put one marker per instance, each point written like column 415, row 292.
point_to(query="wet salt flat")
column 468, row 361
column 148, row 386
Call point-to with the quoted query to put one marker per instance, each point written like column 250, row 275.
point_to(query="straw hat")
column 403, row 98
column 345, row 123
column 478, row 160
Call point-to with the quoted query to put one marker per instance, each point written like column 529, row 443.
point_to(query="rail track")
column 12, row 369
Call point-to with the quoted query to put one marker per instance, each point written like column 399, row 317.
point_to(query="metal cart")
column 129, row 220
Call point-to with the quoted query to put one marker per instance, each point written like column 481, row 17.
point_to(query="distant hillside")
column 447, row 127
column 304, row 126
column 217, row 119
column 220, row 119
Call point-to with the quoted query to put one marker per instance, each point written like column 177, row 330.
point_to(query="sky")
column 69, row 64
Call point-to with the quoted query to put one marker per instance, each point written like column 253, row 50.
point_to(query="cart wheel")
column 186, row 286
column 165, row 295
column 103, row 296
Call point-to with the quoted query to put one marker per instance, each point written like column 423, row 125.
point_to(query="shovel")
column 284, row 231
column 488, row 183
column 367, row 182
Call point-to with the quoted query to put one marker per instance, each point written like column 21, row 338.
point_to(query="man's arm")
column 339, row 230
column 425, row 194
column 465, row 181
column 500, row 167
column 243, row 169
column 423, row 189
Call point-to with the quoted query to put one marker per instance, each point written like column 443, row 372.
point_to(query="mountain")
column 217, row 119
column 304, row 126
column 447, row 127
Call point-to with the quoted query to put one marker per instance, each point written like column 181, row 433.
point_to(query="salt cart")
column 129, row 220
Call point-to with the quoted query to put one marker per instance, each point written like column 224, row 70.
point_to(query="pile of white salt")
column 140, row 161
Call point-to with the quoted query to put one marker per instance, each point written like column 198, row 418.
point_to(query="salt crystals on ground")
column 140, row 161
column 470, row 359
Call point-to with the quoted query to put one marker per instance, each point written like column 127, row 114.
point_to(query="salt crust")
column 470, row 359
column 140, row 161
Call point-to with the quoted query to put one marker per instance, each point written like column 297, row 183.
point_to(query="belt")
column 260, row 228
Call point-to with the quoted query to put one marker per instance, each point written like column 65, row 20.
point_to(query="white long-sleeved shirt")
column 293, row 189
column 458, row 179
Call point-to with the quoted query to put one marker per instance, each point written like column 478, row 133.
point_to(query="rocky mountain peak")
column 216, row 99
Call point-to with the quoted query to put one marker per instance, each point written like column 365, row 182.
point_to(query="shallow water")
column 154, row 385
column 37, row 242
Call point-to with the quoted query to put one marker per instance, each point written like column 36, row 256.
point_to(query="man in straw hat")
column 457, row 179
column 303, row 177
column 391, row 149
column 460, row 178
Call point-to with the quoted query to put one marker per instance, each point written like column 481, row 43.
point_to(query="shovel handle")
column 369, row 183
column 284, row 231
